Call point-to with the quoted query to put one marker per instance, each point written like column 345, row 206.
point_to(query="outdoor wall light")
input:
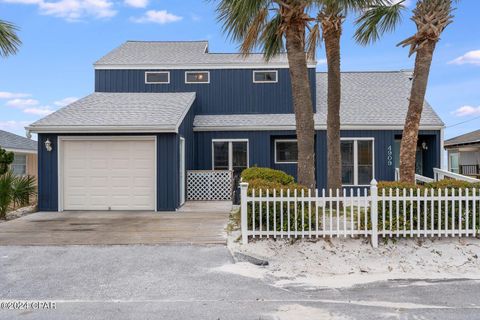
column 48, row 145
column 424, row 146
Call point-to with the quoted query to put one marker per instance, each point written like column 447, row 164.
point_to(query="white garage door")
column 108, row 174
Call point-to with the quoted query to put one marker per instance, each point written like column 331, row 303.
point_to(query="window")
column 454, row 162
column 19, row 164
column 197, row 77
column 357, row 161
column 157, row 77
column 286, row 151
column 267, row 76
column 230, row 155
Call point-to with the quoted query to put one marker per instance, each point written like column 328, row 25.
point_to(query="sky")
column 63, row 38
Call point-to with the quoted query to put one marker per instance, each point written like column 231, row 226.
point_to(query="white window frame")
column 26, row 162
column 355, row 159
column 230, row 151
column 275, row 150
column 258, row 71
column 197, row 71
column 155, row 82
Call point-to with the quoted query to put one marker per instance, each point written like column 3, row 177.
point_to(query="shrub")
column 267, row 174
column 450, row 183
column 15, row 191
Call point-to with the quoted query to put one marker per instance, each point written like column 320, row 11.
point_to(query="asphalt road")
column 177, row 282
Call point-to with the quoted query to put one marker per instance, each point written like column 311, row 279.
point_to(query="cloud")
column 39, row 111
column 72, row 10
column 21, row 103
column 65, row 101
column 14, row 126
column 321, row 61
column 467, row 111
column 160, row 17
column 12, row 95
column 136, row 3
column 471, row 57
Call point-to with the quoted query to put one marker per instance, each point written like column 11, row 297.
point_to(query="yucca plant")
column 15, row 191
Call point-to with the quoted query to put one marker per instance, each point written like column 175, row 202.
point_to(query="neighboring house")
column 24, row 150
column 160, row 108
column 464, row 154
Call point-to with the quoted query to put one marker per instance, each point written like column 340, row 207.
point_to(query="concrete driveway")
column 194, row 223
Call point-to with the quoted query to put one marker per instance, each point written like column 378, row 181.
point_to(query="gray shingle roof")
column 471, row 137
column 9, row 140
column 368, row 99
column 103, row 111
column 178, row 53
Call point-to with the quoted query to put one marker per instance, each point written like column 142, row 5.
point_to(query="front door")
column 230, row 155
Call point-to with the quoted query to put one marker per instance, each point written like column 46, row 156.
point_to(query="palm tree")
column 9, row 41
column 431, row 18
column 273, row 25
column 376, row 17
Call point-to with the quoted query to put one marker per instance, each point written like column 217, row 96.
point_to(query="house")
column 464, row 154
column 24, row 150
column 163, row 108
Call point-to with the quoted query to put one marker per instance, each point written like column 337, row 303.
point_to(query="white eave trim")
column 103, row 129
column 198, row 66
column 20, row 150
column 317, row 127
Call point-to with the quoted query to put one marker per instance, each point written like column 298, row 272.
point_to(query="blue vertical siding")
column 230, row 91
column 47, row 173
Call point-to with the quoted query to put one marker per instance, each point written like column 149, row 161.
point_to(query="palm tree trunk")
column 334, row 157
column 302, row 105
column 408, row 147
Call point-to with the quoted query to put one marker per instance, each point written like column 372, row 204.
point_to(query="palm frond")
column 377, row 20
column 9, row 40
column 314, row 39
column 23, row 189
column 272, row 37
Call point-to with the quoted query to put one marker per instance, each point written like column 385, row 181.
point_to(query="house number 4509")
column 389, row 156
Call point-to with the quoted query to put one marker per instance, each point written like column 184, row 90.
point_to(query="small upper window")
column 268, row 76
column 286, row 151
column 197, row 77
column 157, row 77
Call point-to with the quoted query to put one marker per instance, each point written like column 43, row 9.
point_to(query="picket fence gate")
column 359, row 212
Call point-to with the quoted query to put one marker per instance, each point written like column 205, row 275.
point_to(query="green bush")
column 430, row 214
column 15, row 191
column 267, row 174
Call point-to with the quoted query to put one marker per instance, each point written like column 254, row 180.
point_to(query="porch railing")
column 470, row 170
column 442, row 174
column 418, row 178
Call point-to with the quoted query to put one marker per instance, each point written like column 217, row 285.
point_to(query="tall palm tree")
column 273, row 25
column 375, row 18
column 9, row 41
column 431, row 18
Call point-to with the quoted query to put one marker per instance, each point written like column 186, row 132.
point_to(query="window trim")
column 275, row 151
column 258, row 71
column 197, row 71
column 355, row 159
column 155, row 82
column 230, row 151
column 26, row 164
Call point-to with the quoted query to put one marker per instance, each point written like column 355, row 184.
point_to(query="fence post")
column 243, row 211
column 374, row 212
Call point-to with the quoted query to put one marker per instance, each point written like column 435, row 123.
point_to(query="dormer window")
column 197, row 77
column 156, row 77
column 265, row 76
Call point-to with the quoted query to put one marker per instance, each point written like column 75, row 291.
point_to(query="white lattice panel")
column 209, row 185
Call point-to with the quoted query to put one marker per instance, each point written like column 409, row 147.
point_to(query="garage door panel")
column 103, row 174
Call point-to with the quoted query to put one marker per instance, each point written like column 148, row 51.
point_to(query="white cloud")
column 160, row 17
column 136, row 3
column 17, row 127
column 65, row 102
column 39, row 111
column 321, row 61
column 471, row 57
column 12, row 95
column 467, row 111
column 72, row 10
column 21, row 103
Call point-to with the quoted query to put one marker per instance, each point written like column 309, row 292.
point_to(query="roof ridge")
column 167, row 41
column 372, row 71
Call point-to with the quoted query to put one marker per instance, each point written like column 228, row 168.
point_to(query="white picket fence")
column 359, row 212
